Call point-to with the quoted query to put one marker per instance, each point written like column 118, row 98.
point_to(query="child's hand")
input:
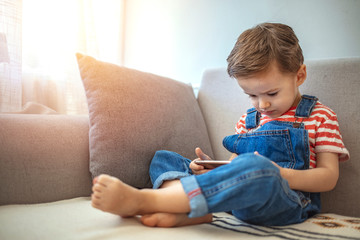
column 198, row 169
column 201, row 154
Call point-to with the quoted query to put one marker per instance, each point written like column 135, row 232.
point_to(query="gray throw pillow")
column 132, row 115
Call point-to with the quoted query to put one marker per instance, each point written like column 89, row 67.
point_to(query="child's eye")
column 272, row 94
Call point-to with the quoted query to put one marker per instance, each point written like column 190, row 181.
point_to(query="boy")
column 285, row 151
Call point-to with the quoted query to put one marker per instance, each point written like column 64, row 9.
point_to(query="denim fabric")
column 253, row 118
column 253, row 189
column 305, row 106
column 168, row 165
column 278, row 141
column 250, row 186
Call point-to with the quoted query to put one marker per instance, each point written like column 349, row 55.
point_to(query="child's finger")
column 202, row 171
column 201, row 155
column 195, row 166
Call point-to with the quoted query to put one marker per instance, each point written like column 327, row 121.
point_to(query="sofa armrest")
column 43, row 158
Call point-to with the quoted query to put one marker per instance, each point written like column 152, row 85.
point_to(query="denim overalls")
column 250, row 186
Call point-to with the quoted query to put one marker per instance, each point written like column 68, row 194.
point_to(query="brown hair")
column 257, row 47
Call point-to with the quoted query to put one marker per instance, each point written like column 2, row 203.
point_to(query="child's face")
column 272, row 92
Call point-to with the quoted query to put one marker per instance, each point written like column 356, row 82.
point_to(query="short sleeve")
column 329, row 139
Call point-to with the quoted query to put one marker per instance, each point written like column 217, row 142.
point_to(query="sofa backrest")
column 335, row 82
column 43, row 158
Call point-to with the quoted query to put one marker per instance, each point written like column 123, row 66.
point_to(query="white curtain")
column 10, row 55
column 52, row 32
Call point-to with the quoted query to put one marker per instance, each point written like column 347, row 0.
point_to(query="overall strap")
column 252, row 119
column 305, row 106
column 304, row 109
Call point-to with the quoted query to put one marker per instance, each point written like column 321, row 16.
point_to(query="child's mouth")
column 267, row 113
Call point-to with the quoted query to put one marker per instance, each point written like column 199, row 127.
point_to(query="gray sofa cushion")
column 43, row 158
column 132, row 115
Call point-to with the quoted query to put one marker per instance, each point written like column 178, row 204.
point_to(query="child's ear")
column 301, row 75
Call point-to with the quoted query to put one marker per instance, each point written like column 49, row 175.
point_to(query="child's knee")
column 254, row 161
column 160, row 158
column 165, row 161
column 163, row 157
column 162, row 153
column 167, row 165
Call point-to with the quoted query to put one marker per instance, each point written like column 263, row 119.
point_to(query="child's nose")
column 263, row 104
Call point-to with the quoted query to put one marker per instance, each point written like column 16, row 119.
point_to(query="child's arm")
column 323, row 178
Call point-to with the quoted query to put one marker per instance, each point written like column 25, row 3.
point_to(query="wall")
column 181, row 38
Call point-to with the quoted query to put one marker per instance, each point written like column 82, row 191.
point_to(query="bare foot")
column 173, row 220
column 113, row 196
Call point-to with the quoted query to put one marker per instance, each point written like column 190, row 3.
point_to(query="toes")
column 101, row 182
column 95, row 180
column 95, row 201
column 94, row 205
column 160, row 220
column 98, row 188
column 105, row 180
column 148, row 220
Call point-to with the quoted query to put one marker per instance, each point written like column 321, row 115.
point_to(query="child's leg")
column 172, row 219
column 112, row 195
column 251, row 187
column 170, row 203
column 165, row 170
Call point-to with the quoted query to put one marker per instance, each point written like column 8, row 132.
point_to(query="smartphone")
column 210, row 164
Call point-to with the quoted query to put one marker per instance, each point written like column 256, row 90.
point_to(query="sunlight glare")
column 53, row 31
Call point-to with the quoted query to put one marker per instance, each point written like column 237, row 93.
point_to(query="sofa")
column 48, row 160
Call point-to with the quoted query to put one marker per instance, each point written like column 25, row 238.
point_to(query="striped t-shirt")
column 322, row 127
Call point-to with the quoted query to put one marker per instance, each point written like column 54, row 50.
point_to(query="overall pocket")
column 273, row 144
